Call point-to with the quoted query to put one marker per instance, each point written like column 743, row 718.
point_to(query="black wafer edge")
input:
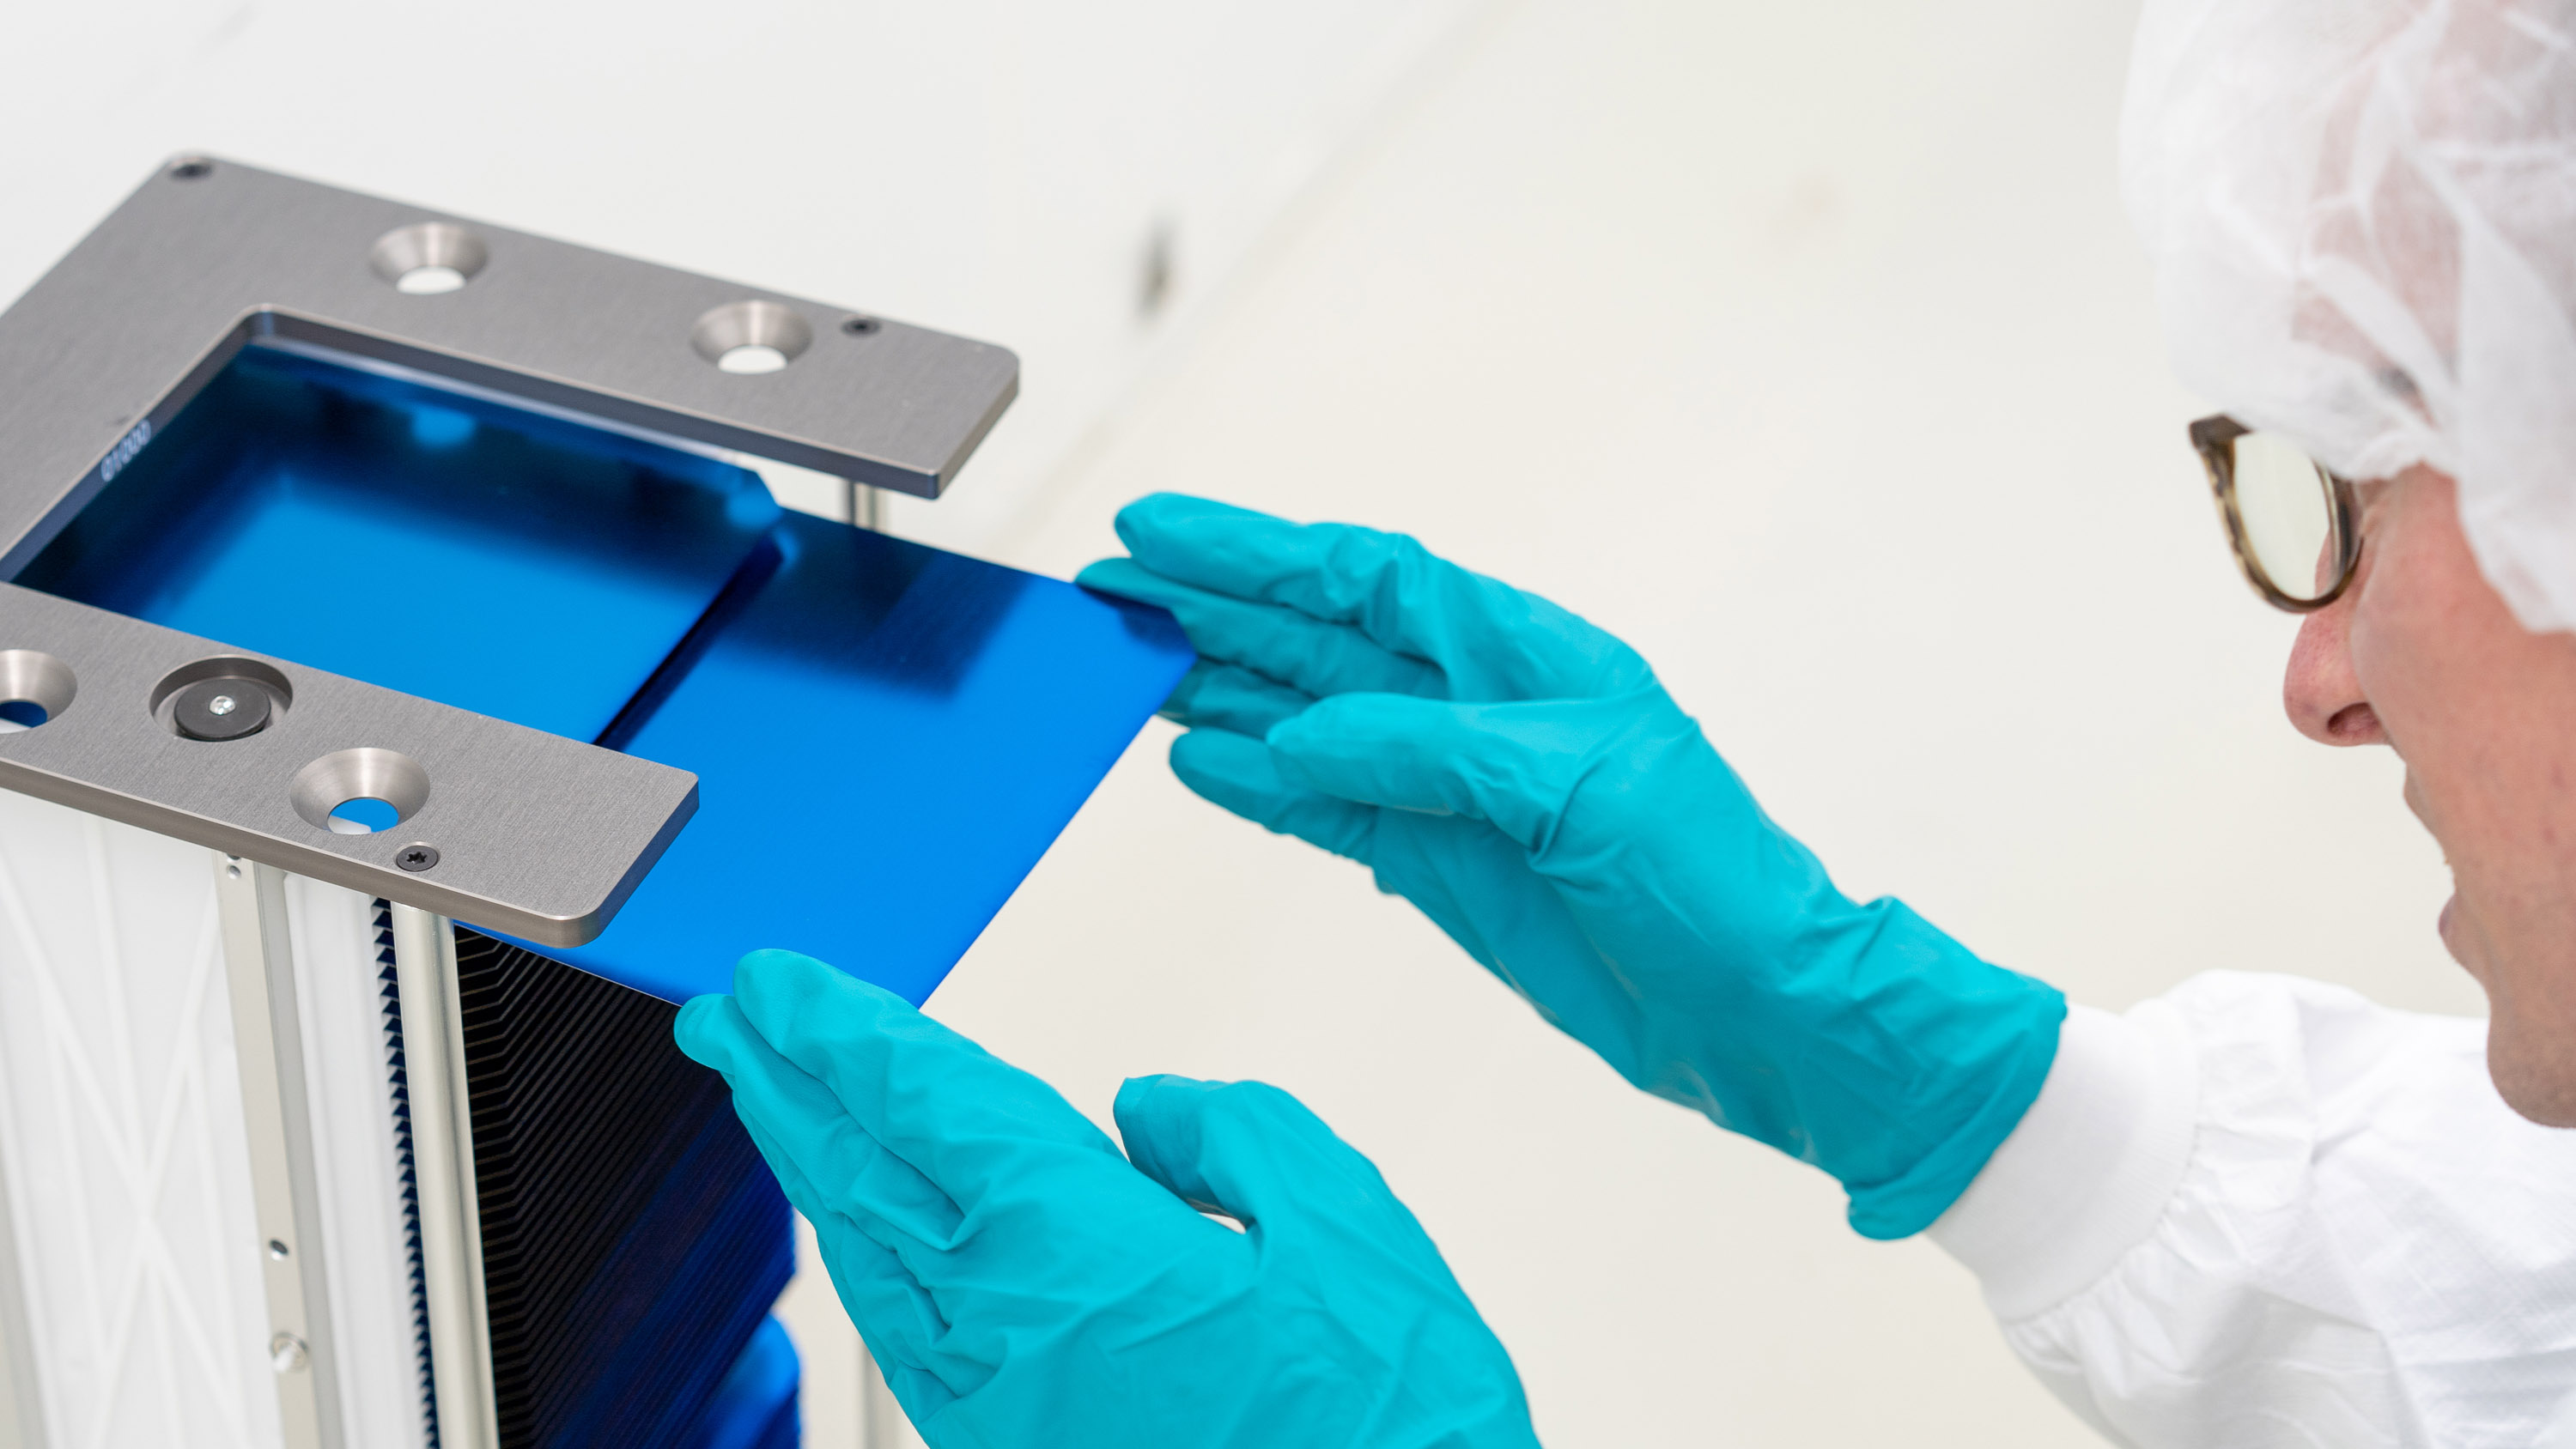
column 389, row 993
column 632, row 1238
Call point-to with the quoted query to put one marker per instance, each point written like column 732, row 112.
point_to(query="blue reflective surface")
column 510, row 564
column 756, row 1407
column 887, row 737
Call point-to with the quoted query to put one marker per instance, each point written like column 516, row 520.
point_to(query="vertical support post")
column 442, row 1142
column 22, row 1416
column 268, row 1046
column 867, row 507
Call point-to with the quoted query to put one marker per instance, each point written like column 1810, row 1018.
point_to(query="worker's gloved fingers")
column 1224, row 697
column 885, row 1303
column 1255, row 1153
column 1303, row 1194
column 1237, row 772
column 825, row 1161
column 1314, row 655
column 1478, row 886
column 1158, row 1121
column 1490, row 640
column 1513, row 766
column 965, row 1118
column 1474, row 882
column 895, row 1318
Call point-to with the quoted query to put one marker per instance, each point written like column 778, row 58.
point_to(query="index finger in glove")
column 825, row 1160
column 1310, row 654
column 1237, row 772
column 1515, row 766
column 1512, row 766
column 1223, row 696
column 967, row 1120
column 1490, row 640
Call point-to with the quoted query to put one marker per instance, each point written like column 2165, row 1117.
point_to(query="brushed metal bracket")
column 268, row 1049
column 536, row 835
column 209, row 255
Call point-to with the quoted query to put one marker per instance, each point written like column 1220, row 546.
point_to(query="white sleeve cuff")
column 2090, row 1169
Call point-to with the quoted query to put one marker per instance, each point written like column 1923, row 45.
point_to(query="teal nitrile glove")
column 1022, row 1283
column 1520, row 776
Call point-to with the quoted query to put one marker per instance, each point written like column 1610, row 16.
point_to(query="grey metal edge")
column 538, row 836
column 277, row 1101
column 208, row 254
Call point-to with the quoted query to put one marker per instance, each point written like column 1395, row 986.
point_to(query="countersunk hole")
column 428, row 257
column 429, row 281
column 750, row 336
column 34, row 687
column 191, row 168
column 364, row 815
column 751, row 358
column 225, row 697
column 346, row 791
column 278, row 1250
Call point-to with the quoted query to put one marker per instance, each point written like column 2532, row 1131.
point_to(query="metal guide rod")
column 22, row 1408
column 460, row 1101
column 268, row 1047
column 442, row 1142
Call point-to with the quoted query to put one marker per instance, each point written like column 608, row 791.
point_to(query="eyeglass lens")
column 2286, row 503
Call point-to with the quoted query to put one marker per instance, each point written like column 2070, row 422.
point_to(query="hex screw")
column 416, row 857
column 860, row 326
column 194, row 168
column 227, row 707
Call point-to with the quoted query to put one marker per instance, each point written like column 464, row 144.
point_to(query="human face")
column 2421, row 654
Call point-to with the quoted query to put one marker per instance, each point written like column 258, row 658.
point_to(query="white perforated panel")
column 121, row 1130
column 124, row 1154
column 340, row 1001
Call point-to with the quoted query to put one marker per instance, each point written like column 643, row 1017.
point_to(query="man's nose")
column 2322, row 694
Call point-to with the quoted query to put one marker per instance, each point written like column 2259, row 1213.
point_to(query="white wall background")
column 1804, row 346
column 1000, row 168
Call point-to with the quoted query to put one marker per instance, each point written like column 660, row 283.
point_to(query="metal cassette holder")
column 146, row 732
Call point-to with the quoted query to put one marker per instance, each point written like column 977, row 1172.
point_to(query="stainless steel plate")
column 541, row 836
column 532, row 834
column 209, row 254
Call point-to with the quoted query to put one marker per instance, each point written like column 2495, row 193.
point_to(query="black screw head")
column 860, row 326
column 416, row 857
column 193, row 168
column 224, row 708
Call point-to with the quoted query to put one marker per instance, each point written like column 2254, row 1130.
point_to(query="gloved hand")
column 1021, row 1283
column 1521, row 777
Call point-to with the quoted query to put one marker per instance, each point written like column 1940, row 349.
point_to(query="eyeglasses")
column 2294, row 526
